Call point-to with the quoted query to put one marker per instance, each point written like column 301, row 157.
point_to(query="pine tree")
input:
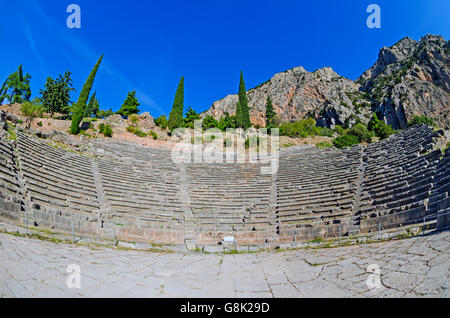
column 16, row 88
column 270, row 113
column 129, row 106
column 56, row 95
column 80, row 106
column 242, row 112
column 190, row 118
column 176, row 114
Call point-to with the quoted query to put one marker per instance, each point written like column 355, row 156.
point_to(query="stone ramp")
column 415, row 267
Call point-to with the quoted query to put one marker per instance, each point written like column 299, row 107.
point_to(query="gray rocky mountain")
column 409, row 78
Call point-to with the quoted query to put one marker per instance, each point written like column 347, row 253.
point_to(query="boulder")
column 146, row 121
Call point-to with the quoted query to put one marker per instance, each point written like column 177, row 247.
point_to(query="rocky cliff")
column 408, row 78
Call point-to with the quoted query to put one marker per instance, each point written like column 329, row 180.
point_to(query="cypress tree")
column 89, row 107
column 176, row 114
column 80, row 106
column 270, row 113
column 242, row 112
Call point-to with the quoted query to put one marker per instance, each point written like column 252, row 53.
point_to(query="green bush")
column 418, row 120
column 360, row 132
column 380, row 128
column 136, row 131
column 31, row 109
column 209, row 122
column 131, row 129
column 345, row 141
column 161, row 122
column 323, row 131
column 303, row 128
column 154, row 135
column 340, row 130
column 140, row 133
column 323, row 144
column 106, row 130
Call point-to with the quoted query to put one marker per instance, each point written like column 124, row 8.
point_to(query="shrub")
column 360, row 132
column 140, row 133
column 106, row 130
column 136, row 131
column 324, row 144
column 418, row 120
column 134, row 120
column 345, row 141
column 209, row 122
column 340, row 130
column 380, row 128
column 131, row 129
column 323, row 131
column 227, row 121
column 154, row 135
column 161, row 122
column 31, row 109
column 303, row 128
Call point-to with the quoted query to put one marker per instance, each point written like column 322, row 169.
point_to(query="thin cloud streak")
column 85, row 51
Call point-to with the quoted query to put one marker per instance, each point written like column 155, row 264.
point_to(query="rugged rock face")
column 297, row 93
column 409, row 78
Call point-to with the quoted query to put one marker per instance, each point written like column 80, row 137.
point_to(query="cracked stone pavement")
column 415, row 267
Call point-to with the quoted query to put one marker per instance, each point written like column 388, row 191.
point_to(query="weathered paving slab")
column 415, row 267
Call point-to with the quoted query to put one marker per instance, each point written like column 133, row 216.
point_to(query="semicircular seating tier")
column 138, row 193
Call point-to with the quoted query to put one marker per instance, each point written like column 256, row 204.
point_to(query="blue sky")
column 149, row 45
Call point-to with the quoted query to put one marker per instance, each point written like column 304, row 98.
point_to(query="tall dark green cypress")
column 89, row 107
column 80, row 106
column 176, row 114
column 242, row 112
column 270, row 113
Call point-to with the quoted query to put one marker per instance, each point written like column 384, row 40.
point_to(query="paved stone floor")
column 408, row 268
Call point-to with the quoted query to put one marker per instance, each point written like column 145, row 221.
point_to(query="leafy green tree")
column 191, row 117
column 227, row 121
column 105, row 113
column 129, row 106
column 270, row 114
column 161, row 121
column 16, row 88
column 242, row 112
column 78, row 111
column 56, row 95
column 176, row 114
column 209, row 122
